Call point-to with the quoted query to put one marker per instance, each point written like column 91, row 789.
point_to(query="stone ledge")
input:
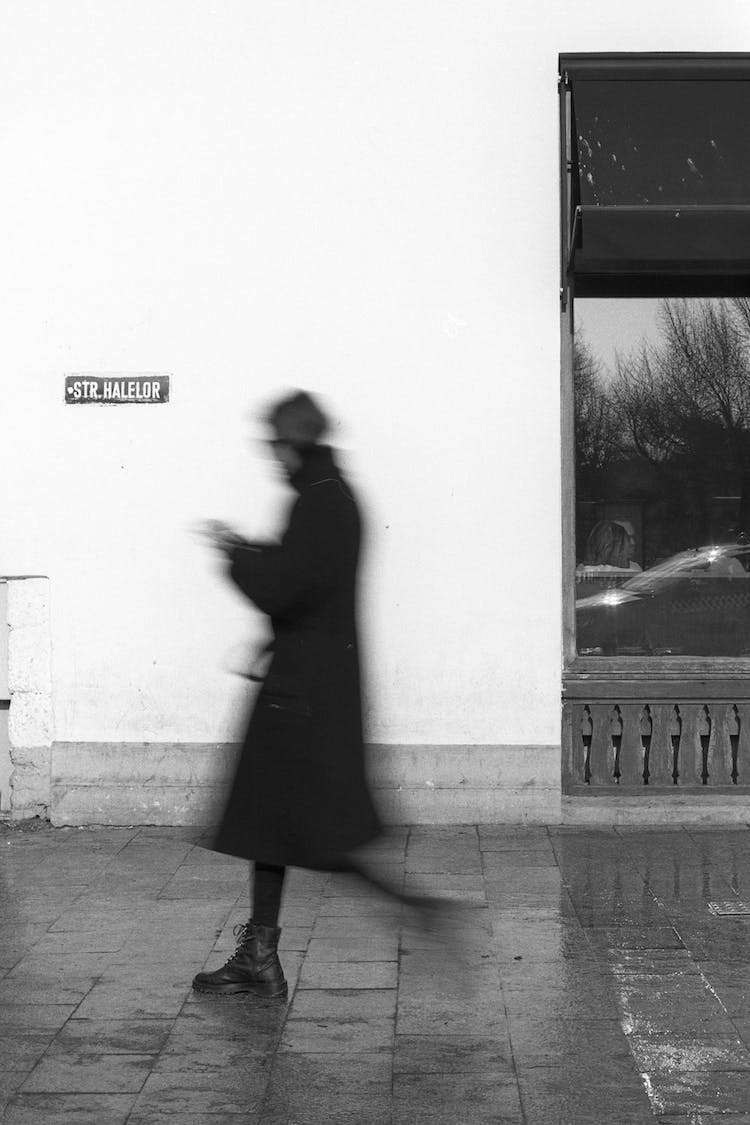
column 389, row 766
column 126, row 805
column 699, row 809
column 183, row 783
column 465, row 767
column 103, row 764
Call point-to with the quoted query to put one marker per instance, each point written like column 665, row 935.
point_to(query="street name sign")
column 114, row 390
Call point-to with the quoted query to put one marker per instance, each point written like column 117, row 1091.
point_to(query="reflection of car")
column 696, row 603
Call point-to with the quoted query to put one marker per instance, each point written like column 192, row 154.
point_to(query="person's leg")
column 268, row 886
column 254, row 966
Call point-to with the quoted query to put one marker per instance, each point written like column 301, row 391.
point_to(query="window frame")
column 598, row 674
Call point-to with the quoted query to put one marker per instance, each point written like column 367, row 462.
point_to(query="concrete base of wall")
column 174, row 784
column 185, row 784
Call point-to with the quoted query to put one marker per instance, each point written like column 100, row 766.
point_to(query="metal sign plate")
column 116, row 389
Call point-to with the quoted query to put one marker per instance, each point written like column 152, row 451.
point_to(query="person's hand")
column 220, row 535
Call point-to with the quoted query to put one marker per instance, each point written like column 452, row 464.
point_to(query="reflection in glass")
column 668, row 142
column 662, row 446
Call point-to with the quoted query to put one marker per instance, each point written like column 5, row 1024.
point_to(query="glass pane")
column 673, row 142
column 662, row 454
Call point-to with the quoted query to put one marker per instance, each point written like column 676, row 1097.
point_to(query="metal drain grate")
column 733, row 907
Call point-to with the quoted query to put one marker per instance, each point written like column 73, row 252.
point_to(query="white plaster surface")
column 28, row 602
column 357, row 198
column 29, row 654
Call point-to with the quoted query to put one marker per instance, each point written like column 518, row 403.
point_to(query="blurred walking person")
column 300, row 795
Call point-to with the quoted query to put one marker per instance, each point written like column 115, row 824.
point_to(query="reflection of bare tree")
column 692, row 381
column 683, row 402
column 596, row 425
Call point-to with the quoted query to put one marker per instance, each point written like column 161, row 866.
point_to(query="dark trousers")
column 268, row 885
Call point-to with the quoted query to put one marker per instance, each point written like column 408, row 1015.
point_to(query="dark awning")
column 633, row 66
column 659, row 186
column 656, row 243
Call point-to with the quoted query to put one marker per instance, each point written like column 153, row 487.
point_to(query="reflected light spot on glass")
column 612, row 597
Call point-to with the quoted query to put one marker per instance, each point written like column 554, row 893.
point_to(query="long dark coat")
column 300, row 795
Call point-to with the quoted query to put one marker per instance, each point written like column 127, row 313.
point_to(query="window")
column 662, row 467
column 655, row 292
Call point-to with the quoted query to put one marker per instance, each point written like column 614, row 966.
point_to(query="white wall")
column 355, row 197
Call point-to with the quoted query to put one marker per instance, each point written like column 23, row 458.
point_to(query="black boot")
column 253, row 967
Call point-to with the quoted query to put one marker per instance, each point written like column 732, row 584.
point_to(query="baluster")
column 705, row 723
column 631, row 745
column 661, row 751
column 675, row 737
column 690, row 762
column 720, row 747
column 601, row 759
column 657, row 743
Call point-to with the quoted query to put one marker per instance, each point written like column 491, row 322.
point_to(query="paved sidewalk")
column 590, row 983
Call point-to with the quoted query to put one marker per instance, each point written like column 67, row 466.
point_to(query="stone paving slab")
column 585, row 979
column 69, row 1109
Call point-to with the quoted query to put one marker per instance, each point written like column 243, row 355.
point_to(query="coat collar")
column 317, row 465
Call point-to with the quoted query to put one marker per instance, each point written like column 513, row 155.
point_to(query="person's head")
column 297, row 424
column 608, row 544
column 630, row 533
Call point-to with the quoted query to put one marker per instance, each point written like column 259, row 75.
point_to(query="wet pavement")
column 593, row 976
